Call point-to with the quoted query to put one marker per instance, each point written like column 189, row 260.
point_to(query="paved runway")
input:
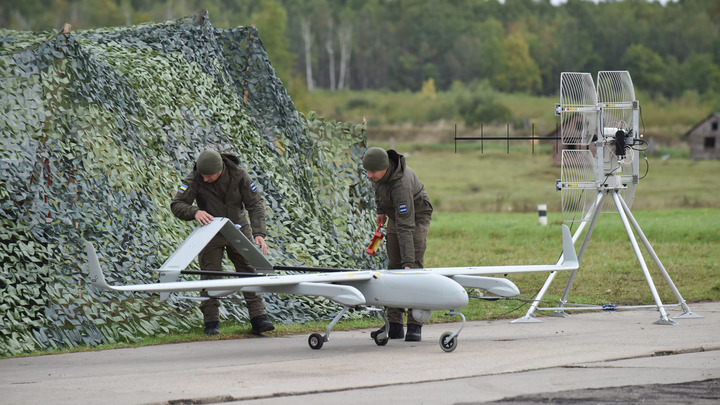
column 583, row 358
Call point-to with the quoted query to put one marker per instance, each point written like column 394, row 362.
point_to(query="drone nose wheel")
column 448, row 342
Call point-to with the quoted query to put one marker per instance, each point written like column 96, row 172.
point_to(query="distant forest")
column 518, row 46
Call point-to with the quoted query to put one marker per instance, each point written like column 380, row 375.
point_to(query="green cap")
column 376, row 159
column 209, row 162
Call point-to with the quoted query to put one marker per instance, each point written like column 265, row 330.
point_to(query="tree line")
column 517, row 46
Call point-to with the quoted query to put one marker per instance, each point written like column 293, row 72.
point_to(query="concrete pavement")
column 494, row 360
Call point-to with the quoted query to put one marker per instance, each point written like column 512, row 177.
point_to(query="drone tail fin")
column 168, row 276
column 570, row 258
column 96, row 276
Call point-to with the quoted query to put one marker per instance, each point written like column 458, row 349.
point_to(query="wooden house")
column 704, row 138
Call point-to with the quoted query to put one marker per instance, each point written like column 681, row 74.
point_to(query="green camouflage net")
column 98, row 129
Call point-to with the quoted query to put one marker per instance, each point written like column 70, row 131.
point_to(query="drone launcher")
column 600, row 128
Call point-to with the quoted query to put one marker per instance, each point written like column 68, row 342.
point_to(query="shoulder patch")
column 253, row 186
column 402, row 208
column 182, row 188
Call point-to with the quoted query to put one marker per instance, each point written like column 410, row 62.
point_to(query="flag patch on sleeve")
column 402, row 208
column 182, row 188
column 253, row 186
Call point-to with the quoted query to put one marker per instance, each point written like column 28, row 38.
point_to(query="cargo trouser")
column 395, row 315
column 210, row 258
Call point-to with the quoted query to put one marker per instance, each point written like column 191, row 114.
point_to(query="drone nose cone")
column 455, row 296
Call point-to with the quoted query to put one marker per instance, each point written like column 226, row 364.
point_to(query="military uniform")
column 229, row 196
column 402, row 198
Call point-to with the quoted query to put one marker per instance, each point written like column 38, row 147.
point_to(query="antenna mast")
column 600, row 128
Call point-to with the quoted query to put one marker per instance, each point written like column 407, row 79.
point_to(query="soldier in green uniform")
column 224, row 189
column 401, row 199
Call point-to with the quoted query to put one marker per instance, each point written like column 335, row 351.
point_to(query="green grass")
column 686, row 241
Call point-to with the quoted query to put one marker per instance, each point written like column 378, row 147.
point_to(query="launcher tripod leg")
column 627, row 219
column 622, row 207
column 664, row 320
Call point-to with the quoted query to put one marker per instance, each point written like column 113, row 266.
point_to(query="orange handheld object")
column 375, row 242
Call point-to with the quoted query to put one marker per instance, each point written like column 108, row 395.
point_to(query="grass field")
column 424, row 117
column 686, row 241
column 496, row 181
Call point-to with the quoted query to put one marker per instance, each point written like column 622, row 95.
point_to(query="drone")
column 422, row 290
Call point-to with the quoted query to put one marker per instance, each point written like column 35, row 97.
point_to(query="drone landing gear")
column 382, row 337
column 316, row 340
column 449, row 340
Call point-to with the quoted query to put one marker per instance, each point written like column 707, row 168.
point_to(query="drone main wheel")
column 448, row 345
column 316, row 341
column 380, row 341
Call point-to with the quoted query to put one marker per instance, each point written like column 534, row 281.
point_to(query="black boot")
column 413, row 333
column 212, row 328
column 261, row 324
column 396, row 331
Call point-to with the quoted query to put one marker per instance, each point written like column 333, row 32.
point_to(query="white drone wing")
column 431, row 288
column 306, row 284
column 470, row 277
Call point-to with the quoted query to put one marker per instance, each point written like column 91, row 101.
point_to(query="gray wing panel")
column 246, row 248
column 191, row 247
column 193, row 244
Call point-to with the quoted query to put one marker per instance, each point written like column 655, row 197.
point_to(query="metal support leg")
column 627, row 219
column 529, row 318
column 664, row 320
column 385, row 334
column 334, row 322
column 686, row 310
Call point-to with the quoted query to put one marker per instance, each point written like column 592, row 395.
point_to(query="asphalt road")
column 591, row 357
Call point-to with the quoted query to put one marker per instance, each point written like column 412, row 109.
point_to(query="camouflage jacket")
column 229, row 196
column 401, row 196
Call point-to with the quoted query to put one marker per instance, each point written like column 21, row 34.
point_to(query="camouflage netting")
column 99, row 127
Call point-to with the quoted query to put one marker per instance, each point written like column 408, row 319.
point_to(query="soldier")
column 401, row 199
column 222, row 188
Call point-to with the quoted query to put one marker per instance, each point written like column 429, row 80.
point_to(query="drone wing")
column 303, row 284
column 343, row 286
column 471, row 277
column 196, row 241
